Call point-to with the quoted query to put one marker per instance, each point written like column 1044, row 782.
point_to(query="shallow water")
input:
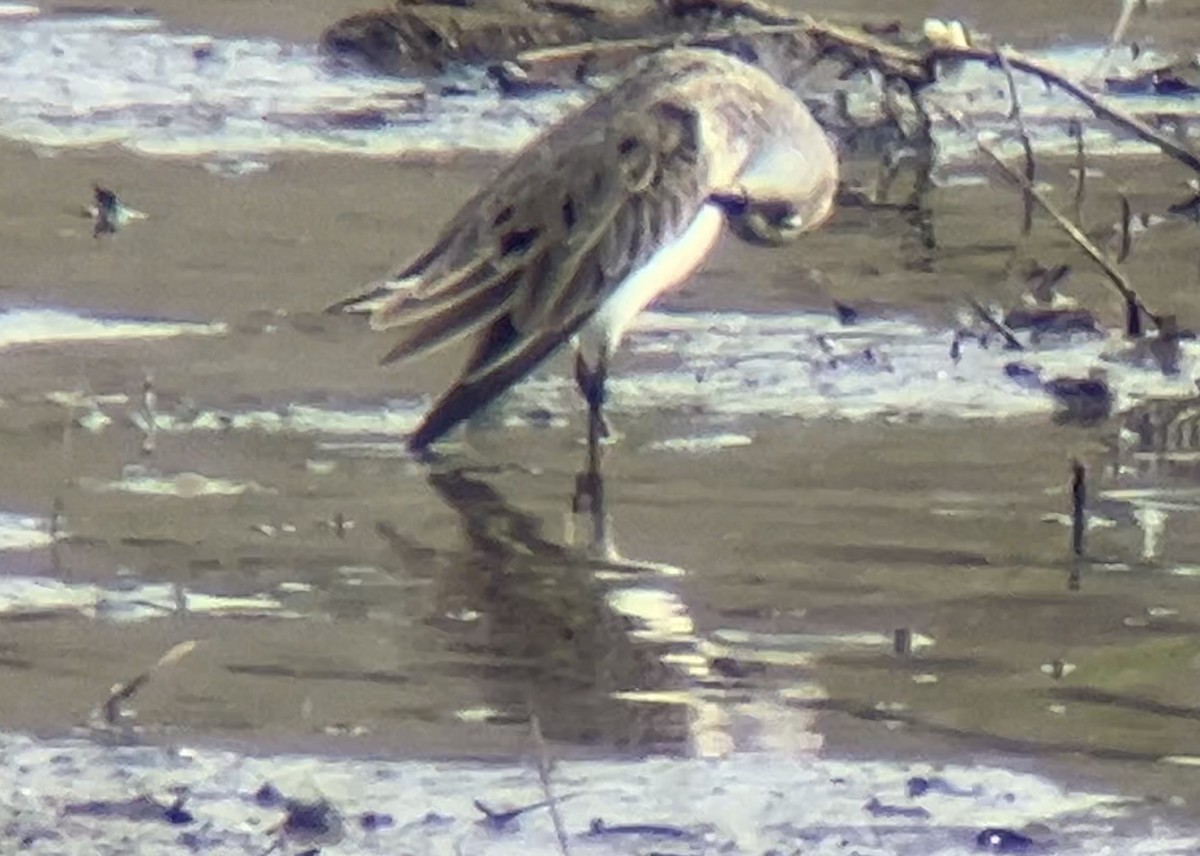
column 191, row 451
column 74, row 80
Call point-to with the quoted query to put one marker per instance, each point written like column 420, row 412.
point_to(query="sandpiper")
column 612, row 206
column 109, row 213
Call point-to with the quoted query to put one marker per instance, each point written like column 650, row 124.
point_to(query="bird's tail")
column 477, row 391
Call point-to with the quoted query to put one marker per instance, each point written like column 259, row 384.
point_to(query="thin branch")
column 997, row 325
column 1075, row 128
column 1014, row 113
column 543, row 763
column 1126, row 225
column 1118, row 35
column 1118, row 279
column 1078, row 507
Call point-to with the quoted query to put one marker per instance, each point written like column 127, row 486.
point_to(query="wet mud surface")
column 789, row 490
column 210, row 801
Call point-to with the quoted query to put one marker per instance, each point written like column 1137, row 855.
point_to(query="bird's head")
column 773, row 222
column 786, row 189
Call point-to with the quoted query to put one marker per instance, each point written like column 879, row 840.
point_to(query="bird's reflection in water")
column 601, row 647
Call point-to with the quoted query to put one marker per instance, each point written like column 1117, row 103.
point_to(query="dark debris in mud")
column 316, row 821
column 137, row 809
column 1004, row 841
column 63, row 797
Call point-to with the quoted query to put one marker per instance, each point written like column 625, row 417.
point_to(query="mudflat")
column 348, row 597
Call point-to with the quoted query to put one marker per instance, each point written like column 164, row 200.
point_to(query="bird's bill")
column 773, row 223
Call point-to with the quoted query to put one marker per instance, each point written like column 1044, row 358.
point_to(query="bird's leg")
column 589, row 496
column 591, row 383
column 589, row 484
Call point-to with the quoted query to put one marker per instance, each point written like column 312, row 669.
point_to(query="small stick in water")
column 1075, row 129
column 149, row 414
column 543, row 762
column 1078, row 506
column 1133, row 319
column 56, row 519
column 1010, row 338
column 1118, row 33
column 1014, row 113
column 111, row 708
column 1126, row 230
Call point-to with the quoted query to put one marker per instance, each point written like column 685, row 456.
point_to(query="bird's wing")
column 546, row 243
column 575, row 212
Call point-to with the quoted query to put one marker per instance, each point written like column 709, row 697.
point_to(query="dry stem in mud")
column 1010, row 338
column 1014, row 114
column 543, row 766
column 110, row 709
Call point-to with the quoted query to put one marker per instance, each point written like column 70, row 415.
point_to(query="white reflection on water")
column 124, row 601
column 46, row 326
column 715, row 367
column 86, row 80
column 20, row 532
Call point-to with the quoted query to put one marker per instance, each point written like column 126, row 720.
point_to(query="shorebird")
column 109, row 213
column 604, row 211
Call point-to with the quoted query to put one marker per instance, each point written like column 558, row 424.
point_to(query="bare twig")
column 149, row 415
column 1014, row 113
column 1133, row 319
column 543, row 762
column 1010, row 338
column 499, row 819
column 1075, row 128
column 56, row 519
column 1118, row 34
column 1078, row 506
column 1126, row 230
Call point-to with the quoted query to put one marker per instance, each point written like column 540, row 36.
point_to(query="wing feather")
column 662, row 172
column 476, row 310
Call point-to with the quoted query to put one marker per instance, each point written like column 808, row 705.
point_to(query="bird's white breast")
column 668, row 268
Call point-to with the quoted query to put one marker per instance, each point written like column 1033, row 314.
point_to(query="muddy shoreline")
column 332, row 222
column 351, row 602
